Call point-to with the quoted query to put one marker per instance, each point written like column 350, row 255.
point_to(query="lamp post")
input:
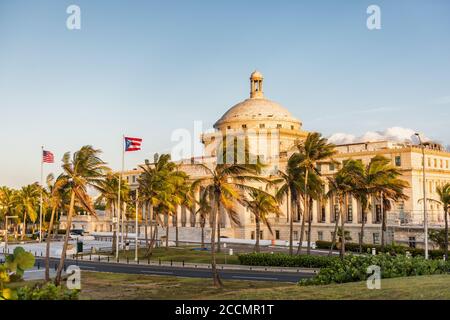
column 6, row 232
column 425, row 216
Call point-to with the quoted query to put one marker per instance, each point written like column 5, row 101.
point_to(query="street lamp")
column 425, row 216
column 6, row 232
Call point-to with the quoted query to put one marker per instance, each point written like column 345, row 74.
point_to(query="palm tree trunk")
column 446, row 233
column 167, row 232
column 342, row 251
column 258, row 228
column 302, row 229
column 24, row 230
column 152, row 242
column 47, row 249
column 305, row 208
column 203, row 233
column 383, row 224
column 361, row 235
column 66, row 240
column 218, row 228
column 215, row 213
column 291, row 228
column 308, row 248
column 176, row 228
column 146, row 225
column 336, row 224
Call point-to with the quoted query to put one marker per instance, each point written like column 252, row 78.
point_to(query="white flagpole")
column 118, row 199
column 41, row 199
column 136, row 227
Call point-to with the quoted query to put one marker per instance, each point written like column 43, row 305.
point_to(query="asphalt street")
column 180, row 271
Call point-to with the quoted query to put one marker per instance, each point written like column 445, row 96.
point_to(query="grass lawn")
column 179, row 254
column 123, row 286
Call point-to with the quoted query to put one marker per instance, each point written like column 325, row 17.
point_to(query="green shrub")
column 393, row 249
column 46, row 292
column 285, row 260
column 354, row 268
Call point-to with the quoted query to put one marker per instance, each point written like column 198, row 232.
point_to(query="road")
column 182, row 271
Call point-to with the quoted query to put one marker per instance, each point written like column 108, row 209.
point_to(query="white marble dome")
column 257, row 110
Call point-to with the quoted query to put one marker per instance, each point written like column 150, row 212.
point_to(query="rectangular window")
column 252, row 235
column 244, row 126
column 279, row 126
column 336, row 212
column 446, row 164
column 262, row 125
column 318, row 167
column 376, row 238
column 320, row 235
column 295, row 235
column 377, row 213
column 261, row 235
column 429, row 162
column 350, row 213
column 435, row 162
column 277, row 234
column 398, row 161
column 292, row 127
column 324, row 218
column 331, row 166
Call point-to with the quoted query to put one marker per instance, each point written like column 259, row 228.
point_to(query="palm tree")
column 27, row 201
column 84, row 169
column 182, row 195
column 108, row 195
column 313, row 149
column 444, row 201
column 152, row 181
column 224, row 185
column 388, row 187
column 8, row 201
column 56, row 189
column 290, row 185
column 342, row 186
column 261, row 204
column 371, row 181
column 203, row 211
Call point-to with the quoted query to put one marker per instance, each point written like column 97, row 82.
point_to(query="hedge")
column 354, row 268
column 285, row 260
column 391, row 249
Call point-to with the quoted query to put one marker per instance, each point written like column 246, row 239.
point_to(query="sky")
column 147, row 68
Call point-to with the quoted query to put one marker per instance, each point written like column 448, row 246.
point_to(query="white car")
column 81, row 235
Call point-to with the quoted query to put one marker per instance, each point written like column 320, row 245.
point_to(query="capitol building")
column 258, row 117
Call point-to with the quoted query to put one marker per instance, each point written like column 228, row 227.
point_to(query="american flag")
column 47, row 157
column 133, row 144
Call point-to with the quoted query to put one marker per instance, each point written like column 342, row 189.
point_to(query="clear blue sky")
column 146, row 68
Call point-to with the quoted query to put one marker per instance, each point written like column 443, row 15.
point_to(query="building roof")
column 256, row 108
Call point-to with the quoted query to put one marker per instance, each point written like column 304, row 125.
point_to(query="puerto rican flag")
column 132, row 144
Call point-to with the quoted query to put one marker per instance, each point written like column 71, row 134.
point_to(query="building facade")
column 269, row 131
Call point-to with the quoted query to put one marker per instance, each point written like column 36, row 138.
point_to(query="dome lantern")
column 256, row 85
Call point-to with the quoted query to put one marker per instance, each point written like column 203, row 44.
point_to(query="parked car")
column 81, row 235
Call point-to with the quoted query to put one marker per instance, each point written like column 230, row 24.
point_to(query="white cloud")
column 397, row 134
